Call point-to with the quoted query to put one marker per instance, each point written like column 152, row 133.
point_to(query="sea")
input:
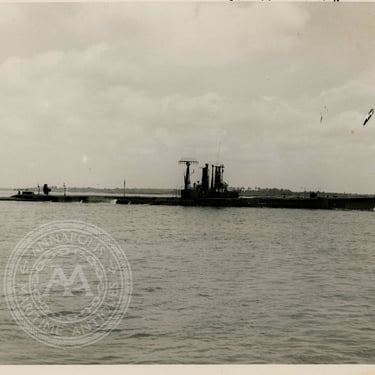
column 218, row 285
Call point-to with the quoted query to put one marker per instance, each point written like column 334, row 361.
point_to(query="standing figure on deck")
column 46, row 189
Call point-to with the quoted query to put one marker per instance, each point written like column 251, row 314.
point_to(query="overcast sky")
column 91, row 94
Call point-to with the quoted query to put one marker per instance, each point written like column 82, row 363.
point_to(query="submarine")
column 210, row 191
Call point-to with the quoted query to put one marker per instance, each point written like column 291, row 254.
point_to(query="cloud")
column 135, row 87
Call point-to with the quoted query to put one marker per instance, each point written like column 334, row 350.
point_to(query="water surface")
column 219, row 285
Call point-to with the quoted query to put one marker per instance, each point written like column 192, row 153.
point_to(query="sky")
column 95, row 93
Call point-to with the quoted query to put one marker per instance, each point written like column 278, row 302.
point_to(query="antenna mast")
column 218, row 153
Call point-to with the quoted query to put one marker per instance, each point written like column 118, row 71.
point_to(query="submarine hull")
column 363, row 203
column 321, row 203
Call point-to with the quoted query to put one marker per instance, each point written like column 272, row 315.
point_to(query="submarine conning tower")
column 204, row 189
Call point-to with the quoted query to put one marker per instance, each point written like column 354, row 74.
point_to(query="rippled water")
column 229, row 285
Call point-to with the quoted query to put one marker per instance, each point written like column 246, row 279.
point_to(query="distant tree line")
column 117, row 191
column 275, row 192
